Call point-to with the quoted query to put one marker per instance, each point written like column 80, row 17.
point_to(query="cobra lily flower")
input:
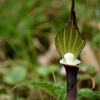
column 69, row 44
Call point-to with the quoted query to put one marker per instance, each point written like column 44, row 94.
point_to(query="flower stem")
column 71, row 75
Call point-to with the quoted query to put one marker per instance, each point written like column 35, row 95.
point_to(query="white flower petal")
column 62, row 61
column 69, row 59
column 77, row 61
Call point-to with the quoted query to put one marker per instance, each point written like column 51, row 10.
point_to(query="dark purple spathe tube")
column 71, row 75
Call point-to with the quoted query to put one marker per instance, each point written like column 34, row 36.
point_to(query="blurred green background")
column 27, row 49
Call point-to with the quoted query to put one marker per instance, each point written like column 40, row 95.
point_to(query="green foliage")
column 89, row 94
column 16, row 29
column 56, row 90
column 90, row 69
column 46, row 70
column 59, row 91
column 15, row 74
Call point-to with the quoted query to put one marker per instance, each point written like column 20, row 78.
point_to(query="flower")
column 69, row 60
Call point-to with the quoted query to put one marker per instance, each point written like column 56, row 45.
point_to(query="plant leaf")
column 59, row 91
column 56, row 90
column 89, row 94
column 15, row 74
column 69, row 39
